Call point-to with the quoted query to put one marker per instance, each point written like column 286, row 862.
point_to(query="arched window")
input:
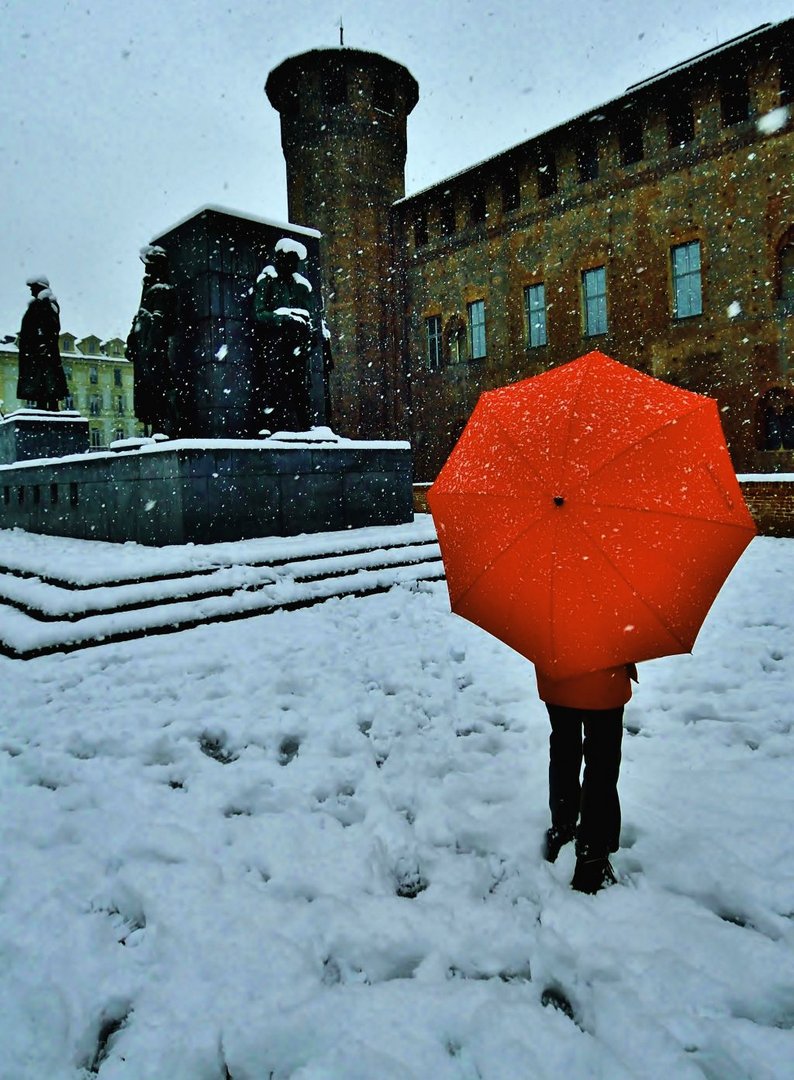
column 776, row 419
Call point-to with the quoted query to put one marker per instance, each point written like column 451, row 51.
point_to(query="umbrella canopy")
column 588, row 516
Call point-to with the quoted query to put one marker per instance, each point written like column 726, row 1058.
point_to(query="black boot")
column 592, row 874
column 555, row 839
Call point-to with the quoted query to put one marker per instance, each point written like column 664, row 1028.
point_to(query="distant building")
column 100, row 381
column 658, row 228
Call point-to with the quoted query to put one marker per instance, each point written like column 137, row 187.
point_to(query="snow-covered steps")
column 60, row 594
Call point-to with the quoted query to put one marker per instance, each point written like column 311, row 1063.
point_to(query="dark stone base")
column 32, row 434
column 210, row 491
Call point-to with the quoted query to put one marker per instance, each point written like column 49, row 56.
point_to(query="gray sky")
column 120, row 117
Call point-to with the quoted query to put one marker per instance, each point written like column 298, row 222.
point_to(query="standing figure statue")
column 287, row 313
column 147, row 345
column 41, row 378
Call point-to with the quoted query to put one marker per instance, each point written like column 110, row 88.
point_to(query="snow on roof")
column 302, row 229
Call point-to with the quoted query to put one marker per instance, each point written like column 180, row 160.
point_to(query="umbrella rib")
column 489, row 565
column 631, row 587
column 646, row 435
column 603, row 505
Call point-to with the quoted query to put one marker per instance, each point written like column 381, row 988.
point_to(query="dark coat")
column 285, row 347
column 41, row 376
column 147, row 348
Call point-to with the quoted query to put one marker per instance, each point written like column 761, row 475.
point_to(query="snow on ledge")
column 766, row 478
column 41, row 415
column 317, row 439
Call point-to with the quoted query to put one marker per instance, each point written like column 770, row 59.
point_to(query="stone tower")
column 343, row 132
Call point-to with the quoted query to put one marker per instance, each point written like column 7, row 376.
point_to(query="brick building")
column 658, row 228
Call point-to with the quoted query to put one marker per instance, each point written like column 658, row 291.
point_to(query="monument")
column 41, row 431
column 147, row 346
column 219, row 361
column 41, row 378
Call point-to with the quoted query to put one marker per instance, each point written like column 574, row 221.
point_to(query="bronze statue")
column 147, row 345
column 287, row 313
column 41, row 378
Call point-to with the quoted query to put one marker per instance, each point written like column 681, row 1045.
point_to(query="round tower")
column 343, row 132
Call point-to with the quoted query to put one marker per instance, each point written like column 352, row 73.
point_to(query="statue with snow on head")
column 287, row 314
column 40, row 378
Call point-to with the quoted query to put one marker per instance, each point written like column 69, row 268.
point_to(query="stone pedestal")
column 32, row 434
column 206, row 491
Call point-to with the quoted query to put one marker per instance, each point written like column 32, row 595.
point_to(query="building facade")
column 658, row 228
column 100, row 381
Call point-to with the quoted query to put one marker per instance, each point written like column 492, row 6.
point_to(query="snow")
column 306, row 846
column 38, row 415
column 773, row 121
column 162, row 444
column 216, row 208
column 288, row 243
column 298, row 314
column 267, row 271
column 734, row 309
column 299, row 279
column 766, row 478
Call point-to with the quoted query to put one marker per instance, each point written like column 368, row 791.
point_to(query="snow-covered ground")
column 306, row 846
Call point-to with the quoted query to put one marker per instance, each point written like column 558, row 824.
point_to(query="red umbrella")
column 588, row 516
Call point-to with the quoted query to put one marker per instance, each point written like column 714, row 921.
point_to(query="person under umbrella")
column 586, row 715
column 587, row 517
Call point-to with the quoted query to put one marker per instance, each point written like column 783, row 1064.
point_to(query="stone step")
column 38, row 617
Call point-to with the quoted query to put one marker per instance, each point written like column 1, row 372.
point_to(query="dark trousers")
column 593, row 803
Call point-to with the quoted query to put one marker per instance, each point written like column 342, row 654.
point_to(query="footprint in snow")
column 290, row 745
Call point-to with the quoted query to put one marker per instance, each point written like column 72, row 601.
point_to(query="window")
column 67, row 370
column 687, row 294
column 433, row 332
column 477, row 329
column 68, row 402
column 96, row 437
column 120, row 404
column 95, row 405
column 547, row 174
column 587, row 159
column 594, row 296
column 117, row 376
column 511, row 191
column 777, row 420
column 734, row 98
column 118, row 433
column 447, row 214
column 786, row 271
column 93, row 376
column 420, row 229
column 477, row 209
column 630, row 139
column 680, row 118
column 455, row 337
column 535, row 305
